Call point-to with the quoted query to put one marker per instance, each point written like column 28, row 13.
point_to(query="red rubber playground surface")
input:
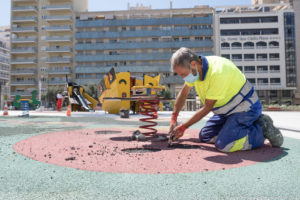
column 112, row 150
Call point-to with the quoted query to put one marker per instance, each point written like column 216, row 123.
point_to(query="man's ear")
column 193, row 64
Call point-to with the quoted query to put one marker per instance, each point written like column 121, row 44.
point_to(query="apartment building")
column 140, row 40
column 4, row 64
column 296, row 4
column 260, row 40
column 42, row 40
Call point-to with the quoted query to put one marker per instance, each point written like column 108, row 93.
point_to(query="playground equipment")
column 79, row 99
column 119, row 91
column 33, row 102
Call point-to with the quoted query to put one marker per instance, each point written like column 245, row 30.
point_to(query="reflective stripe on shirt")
column 238, row 103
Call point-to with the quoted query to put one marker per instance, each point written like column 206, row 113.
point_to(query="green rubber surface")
column 23, row 178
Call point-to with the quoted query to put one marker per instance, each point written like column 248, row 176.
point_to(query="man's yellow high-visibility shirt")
column 221, row 80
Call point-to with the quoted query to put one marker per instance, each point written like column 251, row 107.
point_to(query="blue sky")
column 102, row 5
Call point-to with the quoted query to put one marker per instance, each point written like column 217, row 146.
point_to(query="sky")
column 103, row 5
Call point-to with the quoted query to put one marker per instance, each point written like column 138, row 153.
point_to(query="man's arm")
column 179, row 130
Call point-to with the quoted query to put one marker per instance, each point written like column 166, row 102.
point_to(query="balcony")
column 23, row 72
column 59, row 60
column 26, row 1
column 58, row 50
column 128, row 57
column 22, row 94
column 137, row 69
column 58, row 18
column 144, row 45
column 17, row 83
column 24, row 40
column 57, row 82
column 274, row 71
column 24, row 29
column 145, row 22
column 24, row 61
column 24, row 9
column 58, row 28
column 57, row 7
column 31, row 50
column 59, row 39
column 60, row 71
column 144, row 33
column 24, row 19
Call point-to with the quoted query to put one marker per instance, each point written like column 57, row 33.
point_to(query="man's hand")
column 173, row 123
column 178, row 132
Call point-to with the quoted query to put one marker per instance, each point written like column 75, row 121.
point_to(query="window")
column 236, row 57
column 261, row 45
column 273, row 44
column 225, row 45
column 274, row 56
column 226, row 56
column 229, row 20
column 275, row 81
column 249, row 69
column 185, row 39
column 270, row 19
column 250, row 20
column 262, row 69
column 252, row 80
column 249, row 57
column 236, row 45
column 261, row 56
column 198, row 38
column 248, row 45
column 240, row 68
column 262, row 81
column 274, row 68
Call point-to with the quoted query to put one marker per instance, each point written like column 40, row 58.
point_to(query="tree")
column 91, row 90
column 50, row 96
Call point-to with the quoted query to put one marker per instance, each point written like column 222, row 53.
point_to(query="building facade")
column 4, row 64
column 140, row 40
column 42, row 40
column 296, row 4
column 260, row 40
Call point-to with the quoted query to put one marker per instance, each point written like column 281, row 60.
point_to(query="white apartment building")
column 4, row 64
column 42, row 40
column 260, row 40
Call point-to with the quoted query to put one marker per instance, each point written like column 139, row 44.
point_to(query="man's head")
column 185, row 63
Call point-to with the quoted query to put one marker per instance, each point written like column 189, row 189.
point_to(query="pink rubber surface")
column 86, row 150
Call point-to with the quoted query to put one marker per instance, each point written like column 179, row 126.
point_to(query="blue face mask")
column 191, row 78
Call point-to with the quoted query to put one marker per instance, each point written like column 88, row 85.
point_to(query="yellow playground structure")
column 79, row 99
column 122, row 85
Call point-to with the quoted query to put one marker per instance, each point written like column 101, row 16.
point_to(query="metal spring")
column 149, row 108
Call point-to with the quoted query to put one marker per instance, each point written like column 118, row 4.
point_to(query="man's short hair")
column 183, row 57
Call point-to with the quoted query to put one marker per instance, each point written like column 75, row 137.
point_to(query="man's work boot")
column 270, row 132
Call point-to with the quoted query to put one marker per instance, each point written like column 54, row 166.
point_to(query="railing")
column 16, row 40
column 24, row 29
column 145, row 22
column 57, row 82
column 21, row 19
column 25, row 71
column 24, row 8
column 143, row 33
column 59, row 28
column 23, row 83
column 20, row 61
column 23, row 50
column 20, row 93
column 58, row 38
column 136, row 45
column 59, row 60
column 58, row 17
column 57, row 7
column 60, row 71
column 61, row 49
